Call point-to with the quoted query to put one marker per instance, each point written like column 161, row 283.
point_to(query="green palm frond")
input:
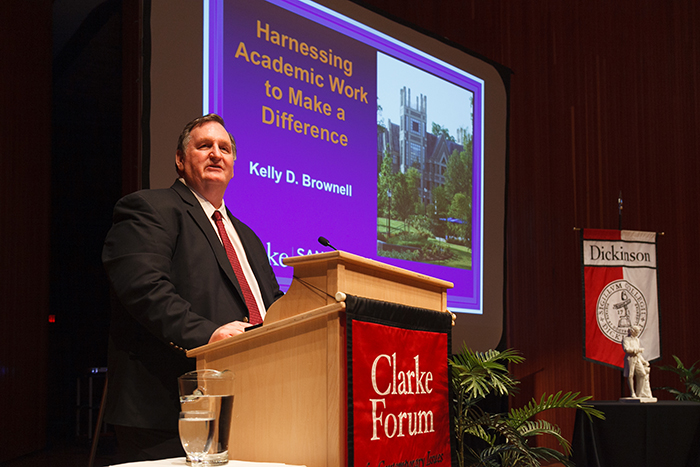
column 690, row 378
column 478, row 418
column 497, row 432
column 695, row 390
column 679, row 369
column 475, row 423
column 502, row 429
column 543, row 427
column 477, row 374
column 676, row 393
column 569, row 400
column 482, row 458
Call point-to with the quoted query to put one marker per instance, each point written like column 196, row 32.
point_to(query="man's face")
column 208, row 159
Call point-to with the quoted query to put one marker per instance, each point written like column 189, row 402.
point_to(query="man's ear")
column 179, row 161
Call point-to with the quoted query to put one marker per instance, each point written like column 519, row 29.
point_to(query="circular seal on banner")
column 620, row 306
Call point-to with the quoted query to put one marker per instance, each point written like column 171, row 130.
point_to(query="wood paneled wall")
column 604, row 99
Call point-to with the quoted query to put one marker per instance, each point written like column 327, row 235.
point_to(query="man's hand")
column 227, row 330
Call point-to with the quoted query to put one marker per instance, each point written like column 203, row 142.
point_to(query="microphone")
column 323, row 241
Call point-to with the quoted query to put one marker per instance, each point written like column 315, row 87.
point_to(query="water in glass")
column 196, row 433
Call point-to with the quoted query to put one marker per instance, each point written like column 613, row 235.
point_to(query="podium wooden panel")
column 290, row 387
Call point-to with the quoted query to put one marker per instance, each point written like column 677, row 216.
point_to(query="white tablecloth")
column 180, row 462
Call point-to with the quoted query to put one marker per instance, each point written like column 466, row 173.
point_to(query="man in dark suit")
column 175, row 288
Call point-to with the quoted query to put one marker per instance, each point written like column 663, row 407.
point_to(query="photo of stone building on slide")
column 424, row 187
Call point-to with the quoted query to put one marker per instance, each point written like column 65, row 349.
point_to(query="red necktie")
column 250, row 302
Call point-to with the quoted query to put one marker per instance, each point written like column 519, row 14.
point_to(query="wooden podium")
column 290, row 386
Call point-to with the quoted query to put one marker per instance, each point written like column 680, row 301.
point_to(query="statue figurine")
column 637, row 369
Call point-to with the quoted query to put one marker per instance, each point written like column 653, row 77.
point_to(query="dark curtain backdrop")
column 25, row 183
column 604, row 98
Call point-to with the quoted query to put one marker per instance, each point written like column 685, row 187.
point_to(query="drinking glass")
column 196, row 432
column 211, row 391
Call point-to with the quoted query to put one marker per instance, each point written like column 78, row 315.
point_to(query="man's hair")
column 185, row 136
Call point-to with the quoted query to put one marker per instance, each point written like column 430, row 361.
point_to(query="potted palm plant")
column 690, row 377
column 503, row 439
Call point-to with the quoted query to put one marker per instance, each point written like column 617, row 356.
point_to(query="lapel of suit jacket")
column 194, row 209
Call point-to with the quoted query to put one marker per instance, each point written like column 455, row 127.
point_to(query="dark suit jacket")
column 173, row 285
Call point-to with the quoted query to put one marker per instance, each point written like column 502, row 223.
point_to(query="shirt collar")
column 206, row 205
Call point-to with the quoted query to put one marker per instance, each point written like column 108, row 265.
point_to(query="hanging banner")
column 620, row 291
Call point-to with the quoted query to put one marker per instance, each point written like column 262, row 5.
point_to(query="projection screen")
column 388, row 142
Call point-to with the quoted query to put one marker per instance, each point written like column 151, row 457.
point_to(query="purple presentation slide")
column 345, row 133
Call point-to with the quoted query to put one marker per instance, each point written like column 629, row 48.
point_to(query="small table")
column 664, row 433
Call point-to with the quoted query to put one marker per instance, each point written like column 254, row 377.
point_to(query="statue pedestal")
column 638, row 400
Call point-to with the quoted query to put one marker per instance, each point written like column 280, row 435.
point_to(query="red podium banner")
column 399, row 414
